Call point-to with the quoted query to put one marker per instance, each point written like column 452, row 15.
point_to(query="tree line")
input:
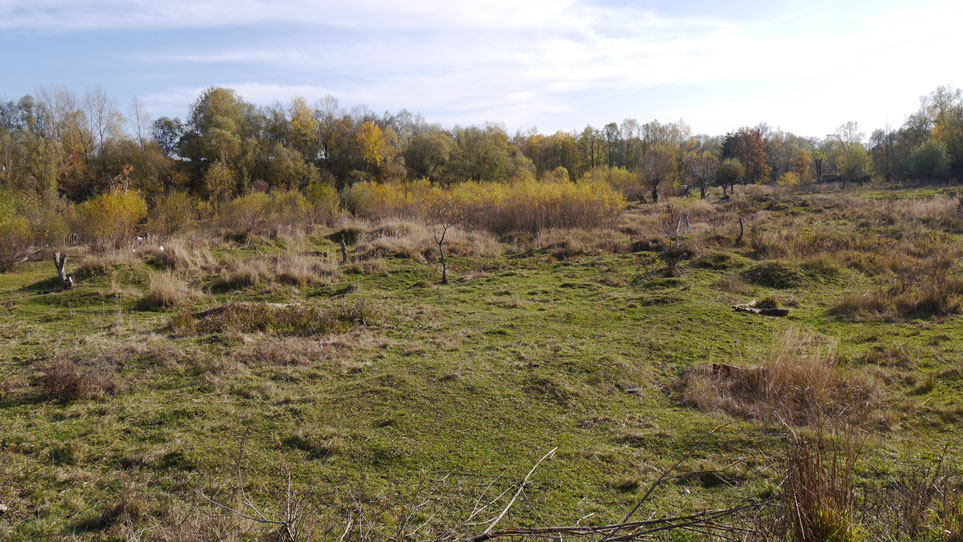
column 64, row 145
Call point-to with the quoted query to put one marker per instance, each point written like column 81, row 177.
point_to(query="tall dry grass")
column 167, row 290
column 523, row 206
column 799, row 383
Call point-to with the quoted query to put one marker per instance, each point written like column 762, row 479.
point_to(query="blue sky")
column 805, row 67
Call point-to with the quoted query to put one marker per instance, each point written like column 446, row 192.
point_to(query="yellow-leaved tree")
column 110, row 220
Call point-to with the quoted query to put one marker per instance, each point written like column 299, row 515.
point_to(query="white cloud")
column 556, row 64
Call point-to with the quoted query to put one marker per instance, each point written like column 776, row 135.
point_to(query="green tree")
column 855, row 164
column 929, row 161
column 747, row 146
column 730, row 172
column 220, row 182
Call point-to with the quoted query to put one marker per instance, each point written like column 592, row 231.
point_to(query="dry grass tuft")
column 567, row 243
column 179, row 255
column 801, row 384
column 63, row 380
column 166, row 290
column 98, row 264
column 413, row 240
column 301, row 270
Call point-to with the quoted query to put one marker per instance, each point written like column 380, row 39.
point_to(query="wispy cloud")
column 555, row 64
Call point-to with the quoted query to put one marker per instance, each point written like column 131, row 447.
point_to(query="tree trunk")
column 444, row 265
column 60, row 260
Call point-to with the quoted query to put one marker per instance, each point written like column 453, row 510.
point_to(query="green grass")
column 472, row 380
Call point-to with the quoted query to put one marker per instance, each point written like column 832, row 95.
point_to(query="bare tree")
column 701, row 171
column 658, row 165
column 140, row 120
column 444, row 213
column 102, row 116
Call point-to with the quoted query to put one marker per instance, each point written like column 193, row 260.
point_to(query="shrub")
column 172, row 213
column 378, row 201
column 110, row 219
column 501, row 208
column 324, row 200
column 266, row 214
column 246, row 214
column 15, row 240
column 773, row 275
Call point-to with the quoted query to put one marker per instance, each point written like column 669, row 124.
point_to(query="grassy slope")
column 472, row 379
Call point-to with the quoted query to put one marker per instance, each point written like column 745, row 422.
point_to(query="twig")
column 661, row 479
column 486, row 534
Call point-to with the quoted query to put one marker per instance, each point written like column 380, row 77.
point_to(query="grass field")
column 117, row 411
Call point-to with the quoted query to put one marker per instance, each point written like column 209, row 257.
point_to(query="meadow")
column 317, row 372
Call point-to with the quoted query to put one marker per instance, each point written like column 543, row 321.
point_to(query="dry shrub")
column 242, row 274
column 167, row 290
column 500, row 208
column 823, row 498
column 800, row 383
column 64, row 380
column 368, row 266
column 918, row 288
column 869, row 305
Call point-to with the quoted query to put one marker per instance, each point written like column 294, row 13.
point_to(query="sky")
column 800, row 66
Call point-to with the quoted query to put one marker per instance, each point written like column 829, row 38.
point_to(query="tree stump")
column 66, row 281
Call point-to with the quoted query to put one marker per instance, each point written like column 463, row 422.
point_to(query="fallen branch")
column 487, row 533
column 753, row 308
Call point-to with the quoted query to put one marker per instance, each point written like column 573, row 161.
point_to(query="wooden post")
column 344, row 251
column 60, row 260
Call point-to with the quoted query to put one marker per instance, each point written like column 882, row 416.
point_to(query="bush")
column 171, row 214
column 110, row 219
column 15, row 238
column 266, row 214
column 324, row 200
column 501, row 208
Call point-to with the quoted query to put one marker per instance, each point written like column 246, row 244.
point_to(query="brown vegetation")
column 800, row 383
column 292, row 319
column 167, row 290
column 64, row 380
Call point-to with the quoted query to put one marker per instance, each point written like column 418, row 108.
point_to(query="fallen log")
column 753, row 308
